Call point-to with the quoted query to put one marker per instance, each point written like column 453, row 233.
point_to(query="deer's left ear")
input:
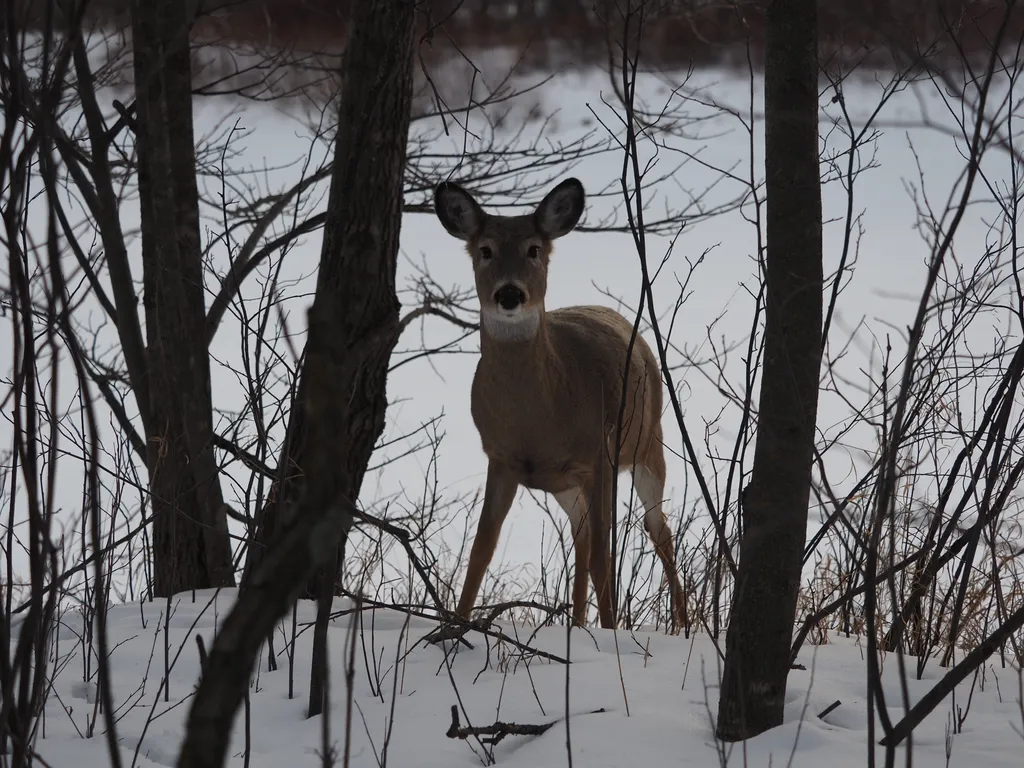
column 560, row 210
column 458, row 212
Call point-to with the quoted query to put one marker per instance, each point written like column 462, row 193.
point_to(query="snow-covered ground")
column 627, row 698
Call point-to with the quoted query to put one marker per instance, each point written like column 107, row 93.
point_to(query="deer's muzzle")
column 509, row 296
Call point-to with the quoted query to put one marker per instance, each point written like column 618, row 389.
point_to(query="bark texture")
column 760, row 634
column 191, row 548
column 356, row 280
column 341, row 400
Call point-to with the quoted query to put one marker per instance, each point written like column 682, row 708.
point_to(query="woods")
column 239, row 354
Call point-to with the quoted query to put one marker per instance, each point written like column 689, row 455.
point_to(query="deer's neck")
column 503, row 328
column 516, row 394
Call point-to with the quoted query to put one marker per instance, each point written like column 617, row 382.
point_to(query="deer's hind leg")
column 599, row 499
column 575, row 507
column 649, row 481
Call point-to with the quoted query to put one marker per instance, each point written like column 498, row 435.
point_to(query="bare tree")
column 190, row 536
column 774, row 503
column 358, row 262
column 354, row 325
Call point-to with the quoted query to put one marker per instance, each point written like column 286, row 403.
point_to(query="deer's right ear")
column 460, row 214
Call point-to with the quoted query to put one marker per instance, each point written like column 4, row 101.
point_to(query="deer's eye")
column 485, row 252
column 533, row 252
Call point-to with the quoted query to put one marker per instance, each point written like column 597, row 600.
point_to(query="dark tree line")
column 574, row 32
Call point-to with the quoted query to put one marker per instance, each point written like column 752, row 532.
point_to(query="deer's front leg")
column 499, row 493
column 575, row 507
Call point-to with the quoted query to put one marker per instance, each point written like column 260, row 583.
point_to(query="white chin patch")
column 510, row 324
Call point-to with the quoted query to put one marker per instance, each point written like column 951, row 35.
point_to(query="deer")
column 547, row 394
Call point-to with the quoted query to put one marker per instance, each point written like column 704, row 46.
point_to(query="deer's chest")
column 534, row 438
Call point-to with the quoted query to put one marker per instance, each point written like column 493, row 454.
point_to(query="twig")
column 457, row 628
column 834, row 705
column 499, row 730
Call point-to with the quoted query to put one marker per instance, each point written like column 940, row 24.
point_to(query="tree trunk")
column 341, row 401
column 191, row 548
column 359, row 255
column 760, row 634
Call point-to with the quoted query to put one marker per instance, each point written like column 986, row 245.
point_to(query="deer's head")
column 510, row 253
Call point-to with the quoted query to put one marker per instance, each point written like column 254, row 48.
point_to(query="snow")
column 658, row 692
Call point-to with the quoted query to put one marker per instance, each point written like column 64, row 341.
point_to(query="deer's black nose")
column 509, row 296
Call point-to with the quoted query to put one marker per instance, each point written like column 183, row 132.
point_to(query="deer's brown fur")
column 547, row 393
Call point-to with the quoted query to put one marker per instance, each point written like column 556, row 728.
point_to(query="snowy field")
column 627, row 698
column 702, row 163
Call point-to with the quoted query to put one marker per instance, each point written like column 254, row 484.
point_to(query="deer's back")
column 593, row 342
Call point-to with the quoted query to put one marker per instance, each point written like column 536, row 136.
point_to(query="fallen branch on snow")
column 499, row 730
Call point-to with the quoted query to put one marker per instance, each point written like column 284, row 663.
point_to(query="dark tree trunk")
column 341, row 401
column 356, row 280
column 760, row 634
column 191, row 548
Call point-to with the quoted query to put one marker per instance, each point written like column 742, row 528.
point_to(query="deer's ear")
column 460, row 214
column 560, row 210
